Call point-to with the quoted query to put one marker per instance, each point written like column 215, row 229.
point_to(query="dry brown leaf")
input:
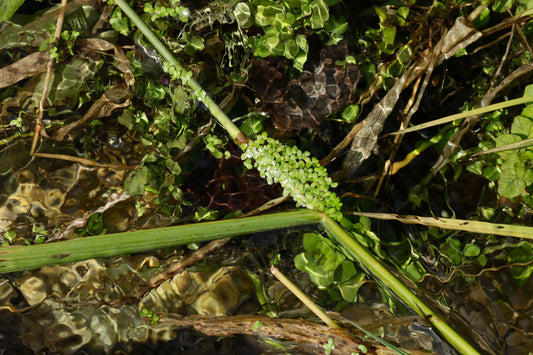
column 100, row 45
column 23, row 68
column 116, row 97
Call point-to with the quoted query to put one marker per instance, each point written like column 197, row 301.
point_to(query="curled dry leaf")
column 98, row 44
column 113, row 98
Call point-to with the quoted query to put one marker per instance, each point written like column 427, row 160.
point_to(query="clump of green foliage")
column 510, row 169
column 282, row 22
column 302, row 177
column 328, row 268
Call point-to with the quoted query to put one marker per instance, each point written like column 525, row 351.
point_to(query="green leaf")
column 528, row 91
column 491, row 173
column 505, row 139
column 389, row 35
column 471, row 250
column 173, row 166
column 502, row 5
column 179, row 143
column 336, row 25
column 136, row 181
column 483, row 18
column 251, row 126
column 522, row 126
column 345, row 271
column 476, row 167
column 266, row 13
column 521, row 255
column 415, row 270
column 350, row 113
column 402, row 14
column 119, row 23
column 320, row 260
column 510, row 185
column 8, row 8
column 319, row 13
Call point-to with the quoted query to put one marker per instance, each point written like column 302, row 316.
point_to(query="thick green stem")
column 221, row 117
column 16, row 258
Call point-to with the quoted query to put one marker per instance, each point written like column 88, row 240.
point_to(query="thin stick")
column 457, row 116
column 39, row 118
column 456, row 224
column 84, row 161
column 304, row 298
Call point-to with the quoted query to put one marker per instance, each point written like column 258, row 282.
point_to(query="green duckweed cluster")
column 301, row 176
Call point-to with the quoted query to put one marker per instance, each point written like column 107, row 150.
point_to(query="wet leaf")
column 243, row 15
column 471, row 250
column 510, row 185
column 173, row 166
column 136, row 181
column 35, row 32
column 97, row 45
column 416, row 270
column 522, row 126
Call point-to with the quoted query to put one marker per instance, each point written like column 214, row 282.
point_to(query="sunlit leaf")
column 8, row 8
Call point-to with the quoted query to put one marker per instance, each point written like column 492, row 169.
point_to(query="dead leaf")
column 116, row 97
column 23, row 68
column 101, row 45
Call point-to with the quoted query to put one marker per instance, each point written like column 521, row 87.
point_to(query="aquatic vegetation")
column 301, row 176
column 147, row 152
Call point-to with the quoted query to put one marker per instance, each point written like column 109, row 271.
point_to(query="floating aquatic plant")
column 301, row 176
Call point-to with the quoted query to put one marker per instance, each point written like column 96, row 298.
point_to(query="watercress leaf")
column 505, row 139
column 173, row 166
column 349, row 292
column 522, row 126
column 471, row 250
column 415, row 270
column 243, row 15
column 136, row 181
column 491, row 173
column 345, row 271
column 319, row 13
column 502, row 5
column 266, row 13
column 510, row 185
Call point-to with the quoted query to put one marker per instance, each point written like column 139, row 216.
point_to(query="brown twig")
column 39, row 118
column 84, row 161
column 310, row 337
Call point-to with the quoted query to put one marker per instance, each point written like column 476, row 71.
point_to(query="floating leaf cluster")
column 301, row 176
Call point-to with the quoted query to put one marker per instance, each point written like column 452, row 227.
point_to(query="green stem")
column 17, row 258
column 221, row 117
